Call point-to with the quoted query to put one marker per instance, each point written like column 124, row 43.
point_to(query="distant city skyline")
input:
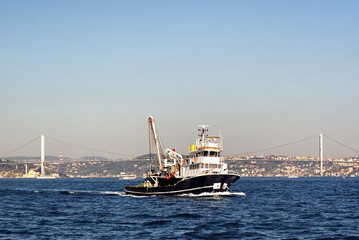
column 262, row 73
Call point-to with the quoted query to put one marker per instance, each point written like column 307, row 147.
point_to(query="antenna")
column 202, row 130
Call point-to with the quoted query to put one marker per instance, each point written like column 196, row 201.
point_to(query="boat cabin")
column 204, row 157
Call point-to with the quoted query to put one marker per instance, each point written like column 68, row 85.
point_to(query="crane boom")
column 151, row 123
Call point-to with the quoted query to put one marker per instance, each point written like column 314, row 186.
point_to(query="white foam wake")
column 214, row 194
column 112, row 193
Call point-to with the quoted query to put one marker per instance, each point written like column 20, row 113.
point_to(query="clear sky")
column 264, row 73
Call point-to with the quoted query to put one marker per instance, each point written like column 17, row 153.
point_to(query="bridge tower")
column 42, row 155
column 321, row 153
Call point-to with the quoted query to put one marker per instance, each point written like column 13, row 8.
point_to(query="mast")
column 152, row 125
column 42, row 155
column 321, row 153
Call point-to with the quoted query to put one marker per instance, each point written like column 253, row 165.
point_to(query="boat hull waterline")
column 192, row 185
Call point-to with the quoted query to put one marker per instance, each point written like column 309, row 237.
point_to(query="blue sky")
column 264, row 73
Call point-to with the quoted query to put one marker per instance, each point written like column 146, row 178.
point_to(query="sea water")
column 256, row 208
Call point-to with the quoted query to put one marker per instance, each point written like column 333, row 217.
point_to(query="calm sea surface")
column 260, row 208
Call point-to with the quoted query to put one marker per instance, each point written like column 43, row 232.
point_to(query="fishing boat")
column 201, row 171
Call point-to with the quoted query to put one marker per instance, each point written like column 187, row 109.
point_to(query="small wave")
column 80, row 192
column 186, row 215
column 65, row 192
column 156, row 223
column 143, row 216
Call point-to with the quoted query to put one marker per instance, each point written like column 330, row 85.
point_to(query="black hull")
column 194, row 185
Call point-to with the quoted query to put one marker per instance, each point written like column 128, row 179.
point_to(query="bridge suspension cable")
column 342, row 144
column 89, row 148
column 279, row 146
column 18, row 148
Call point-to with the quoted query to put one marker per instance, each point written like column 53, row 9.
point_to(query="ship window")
column 195, row 166
column 205, row 153
column 212, row 165
column 213, row 154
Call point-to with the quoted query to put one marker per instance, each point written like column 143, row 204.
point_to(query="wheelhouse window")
column 205, row 153
column 213, row 154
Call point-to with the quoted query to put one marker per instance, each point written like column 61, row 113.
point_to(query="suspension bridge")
column 62, row 152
